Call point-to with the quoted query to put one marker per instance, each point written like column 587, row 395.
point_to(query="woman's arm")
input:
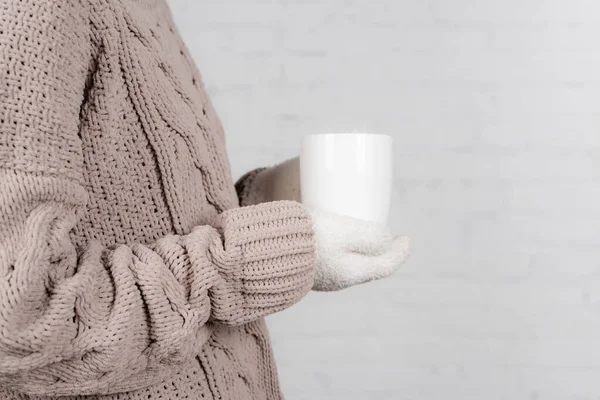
column 247, row 190
column 86, row 320
column 262, row 185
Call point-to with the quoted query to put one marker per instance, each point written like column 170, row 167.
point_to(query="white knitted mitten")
column 351, row 251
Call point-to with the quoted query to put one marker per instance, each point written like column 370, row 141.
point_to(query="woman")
column 128, row 269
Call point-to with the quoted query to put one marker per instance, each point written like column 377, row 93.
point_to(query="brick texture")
column 495, row 111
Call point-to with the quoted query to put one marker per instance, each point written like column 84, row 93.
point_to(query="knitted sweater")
column 127, row 268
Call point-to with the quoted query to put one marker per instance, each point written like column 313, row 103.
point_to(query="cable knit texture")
column 127, row 268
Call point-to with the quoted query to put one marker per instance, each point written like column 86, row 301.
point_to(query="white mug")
column 348, row 173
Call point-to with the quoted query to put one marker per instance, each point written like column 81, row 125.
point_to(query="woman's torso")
column 155, row 164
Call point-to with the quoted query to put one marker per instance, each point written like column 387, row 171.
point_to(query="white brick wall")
column 495, row 111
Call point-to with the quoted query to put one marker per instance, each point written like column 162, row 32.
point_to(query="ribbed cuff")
column 274, row 252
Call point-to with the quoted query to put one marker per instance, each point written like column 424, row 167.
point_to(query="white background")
column 495, row 111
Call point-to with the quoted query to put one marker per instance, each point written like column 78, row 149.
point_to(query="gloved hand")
column 352, row 251
column 349, row 251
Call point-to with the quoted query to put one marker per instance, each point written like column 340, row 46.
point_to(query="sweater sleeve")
column 247, row 192
column 263, row 185
column 94, row 319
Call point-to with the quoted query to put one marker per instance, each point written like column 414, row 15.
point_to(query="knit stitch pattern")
column 127, row 268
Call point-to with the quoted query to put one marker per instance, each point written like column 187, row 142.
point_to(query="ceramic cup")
column 348, row 173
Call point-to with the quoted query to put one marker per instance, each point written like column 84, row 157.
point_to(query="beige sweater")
column 127, row 269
